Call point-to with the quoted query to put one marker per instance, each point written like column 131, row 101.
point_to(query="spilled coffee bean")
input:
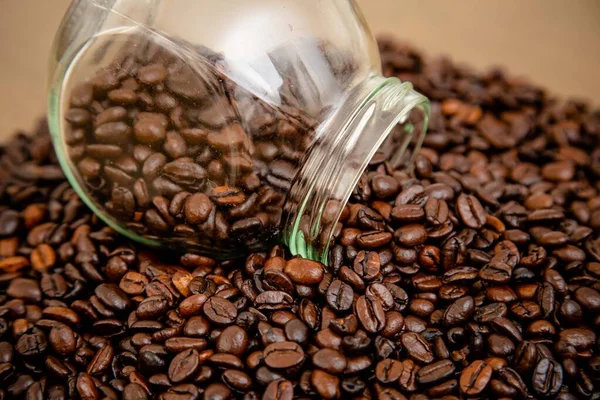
column 474, row 277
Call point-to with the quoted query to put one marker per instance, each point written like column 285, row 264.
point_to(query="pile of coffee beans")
column 475, row 277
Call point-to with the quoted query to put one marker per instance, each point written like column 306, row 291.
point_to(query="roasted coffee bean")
column 388, row 371
column 184, row 365
column 410, row 235
column 326, row 385
column 547, row 377
column 25, row 289
column 435, row 372
column 470, row 211
column 370, row 313
column 283, row 355
column 475, row 378
column 436, row 211
column 86, row 388
column 279, row 390
column 113, row 297
column 417, row 347
column 459, row 311
column 407, row 213
column 330, row 360
column 373, row 239
column 339, row 296
column 233, row 340
column 220, row 310
column 296, row 331
column 304, row 271
column 488, row 250
column 152, row 306
column 62, row 340
column 32, row 343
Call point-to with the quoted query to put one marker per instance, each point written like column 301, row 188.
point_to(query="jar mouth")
column 382, row 118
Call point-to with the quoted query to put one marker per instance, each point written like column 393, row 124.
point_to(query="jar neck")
column 379, row 111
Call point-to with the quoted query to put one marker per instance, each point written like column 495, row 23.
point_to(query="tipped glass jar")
column 225, row 126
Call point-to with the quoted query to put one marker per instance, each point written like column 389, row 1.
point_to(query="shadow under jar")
column 222, row 128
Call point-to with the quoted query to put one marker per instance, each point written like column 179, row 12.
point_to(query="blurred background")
column 554, row 43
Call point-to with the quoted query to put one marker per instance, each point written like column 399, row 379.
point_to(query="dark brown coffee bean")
column 500, row 345
column 101, row 361
column 233, row 340
column 153, row 166
column 407, row 213
column 559, row 171
column 589, row 298
column 273, row 300
column 150, row 129
column 185, row 173
column 178, row 344
column 296, row 331
column 227, row 196
column 367, row 265
column 113, row 133
column 237, row 380
column 228, row 139
column 62, row 340
column 279, row 390
column 193, row 305
column 305, row 272
column 436, row 211
column 417, row 347
column 184, row 365
column 219, row 310
column 31, row 343
column 370, row 313
column 384, row 186
column 339, row 296
column 283, row 355
column 82, row 95
column 459, row 311
column 496, row 272
column 122, row 96
column 388, row 371
column 382, row 293
column 326, row 385
column 373, row 240
column 113, row 297
column 471, row 211
column 133, row 283
column 475, row 378
column 152, row 74
column 86, row 387
column 408, row 380
column 151, row 307
column 435, row 372
column 410, row 235
column 547, row 377
column 572, row 340
column 329, row 360
column 25, row 289
column 134, row 391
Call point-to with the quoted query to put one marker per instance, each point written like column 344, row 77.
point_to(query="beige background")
column 554, row 42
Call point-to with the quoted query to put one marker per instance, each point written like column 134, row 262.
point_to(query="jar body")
column 188, row 123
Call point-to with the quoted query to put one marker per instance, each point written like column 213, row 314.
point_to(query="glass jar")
column 222, row 126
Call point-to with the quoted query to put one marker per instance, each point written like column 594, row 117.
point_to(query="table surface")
column 555, row 43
